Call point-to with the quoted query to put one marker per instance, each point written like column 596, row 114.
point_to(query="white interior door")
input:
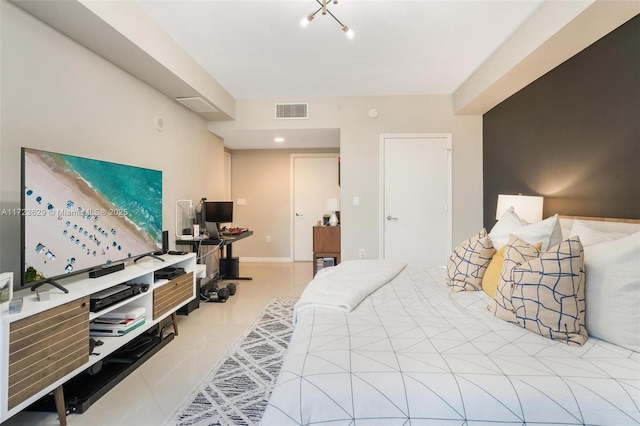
column 315, row 178
column 416, row 224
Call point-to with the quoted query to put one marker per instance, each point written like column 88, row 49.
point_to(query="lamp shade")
column 332, row 204
column 527, row 207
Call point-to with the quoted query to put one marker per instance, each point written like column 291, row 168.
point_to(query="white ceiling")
column 257, row 49
column 480, row 51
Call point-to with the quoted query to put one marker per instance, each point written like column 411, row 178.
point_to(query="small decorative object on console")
column 43, row 295
column 15, row 306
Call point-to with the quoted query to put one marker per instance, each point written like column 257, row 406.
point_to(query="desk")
column 231, row 272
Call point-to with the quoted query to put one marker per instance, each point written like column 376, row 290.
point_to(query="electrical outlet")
column 361, row 253
column 268, row 238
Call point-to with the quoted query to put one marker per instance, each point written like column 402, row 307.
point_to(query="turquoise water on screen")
column 134, row 189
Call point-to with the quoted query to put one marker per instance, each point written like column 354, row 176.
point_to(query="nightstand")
column 326, row 247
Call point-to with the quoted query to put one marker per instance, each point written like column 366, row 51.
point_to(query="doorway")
column 415, row 210
column 314, row 179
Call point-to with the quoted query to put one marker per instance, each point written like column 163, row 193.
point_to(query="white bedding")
column 415, row 351
column 344, row 286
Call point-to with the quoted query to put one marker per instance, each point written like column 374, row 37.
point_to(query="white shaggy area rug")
column 236, row 390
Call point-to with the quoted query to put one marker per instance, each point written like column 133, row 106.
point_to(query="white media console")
column 47, row 343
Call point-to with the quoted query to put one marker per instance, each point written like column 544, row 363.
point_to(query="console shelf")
column 47, row 343
column 85, row 388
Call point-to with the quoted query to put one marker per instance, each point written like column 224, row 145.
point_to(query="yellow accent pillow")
column 492, row 274
column 516, row 253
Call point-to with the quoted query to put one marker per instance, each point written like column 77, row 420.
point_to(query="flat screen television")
column 218, row 212
column 79, row 214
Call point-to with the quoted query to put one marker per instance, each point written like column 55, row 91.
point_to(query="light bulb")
column 305, row 21
column 349, row 32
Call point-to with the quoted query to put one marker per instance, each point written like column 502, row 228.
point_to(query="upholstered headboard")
column 602, row 224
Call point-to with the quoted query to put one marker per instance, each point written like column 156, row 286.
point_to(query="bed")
column 415, row 352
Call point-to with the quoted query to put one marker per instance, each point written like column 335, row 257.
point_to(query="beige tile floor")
column 151, row 393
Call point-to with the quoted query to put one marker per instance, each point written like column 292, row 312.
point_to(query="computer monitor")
column 218, row 211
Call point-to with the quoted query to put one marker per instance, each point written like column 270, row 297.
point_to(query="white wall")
column 58, row 96
column 359, row 152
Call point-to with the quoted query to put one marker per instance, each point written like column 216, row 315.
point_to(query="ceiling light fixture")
column 278, row 139
column 323, row 7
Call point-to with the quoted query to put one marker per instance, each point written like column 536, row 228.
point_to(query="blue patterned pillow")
column 549, row 296
column 468, row 262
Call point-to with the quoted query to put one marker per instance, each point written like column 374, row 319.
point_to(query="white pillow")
column 547, row 231
column 588, row 235
column 613, row 291
column 501, row 231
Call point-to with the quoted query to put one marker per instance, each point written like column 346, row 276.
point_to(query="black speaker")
column 165, row 242
column 106, row 269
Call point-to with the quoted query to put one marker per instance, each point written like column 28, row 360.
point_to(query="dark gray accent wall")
column 573, row 135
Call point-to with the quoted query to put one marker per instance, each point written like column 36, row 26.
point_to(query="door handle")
column 391, row 218
column 299, row 214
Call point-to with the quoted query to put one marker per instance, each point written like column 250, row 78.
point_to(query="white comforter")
column 416, row 353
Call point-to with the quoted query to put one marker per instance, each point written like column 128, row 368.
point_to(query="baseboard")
column 267, row 259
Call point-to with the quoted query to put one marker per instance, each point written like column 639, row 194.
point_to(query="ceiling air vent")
column 197, row 104
column 292, row 111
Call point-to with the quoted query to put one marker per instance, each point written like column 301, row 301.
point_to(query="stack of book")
column 325, row 262
column 117, row 322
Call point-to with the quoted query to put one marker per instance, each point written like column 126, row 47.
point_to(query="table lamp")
column 526, row 207
column 333, row 205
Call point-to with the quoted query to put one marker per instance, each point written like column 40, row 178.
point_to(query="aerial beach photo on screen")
column 80, row 213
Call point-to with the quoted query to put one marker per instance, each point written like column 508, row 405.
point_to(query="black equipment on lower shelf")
column 87, row 387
